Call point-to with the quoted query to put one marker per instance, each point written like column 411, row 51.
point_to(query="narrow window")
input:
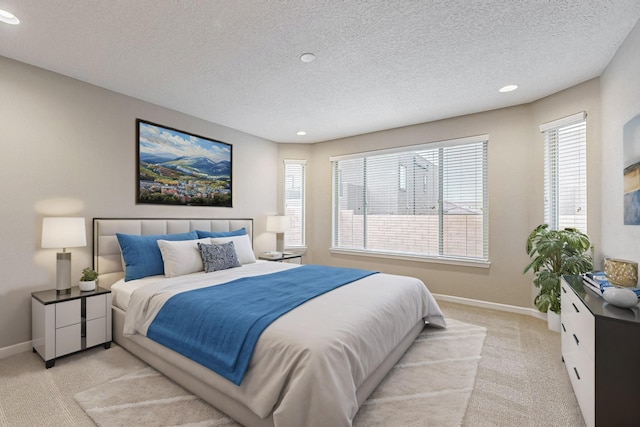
column 294, row 202
column 565, row 172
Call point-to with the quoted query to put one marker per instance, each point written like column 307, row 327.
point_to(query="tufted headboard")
column 107, row 259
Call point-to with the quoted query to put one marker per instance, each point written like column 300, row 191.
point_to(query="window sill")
column 409, row 257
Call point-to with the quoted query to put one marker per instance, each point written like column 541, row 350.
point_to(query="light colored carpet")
column 521, row 378
column 430, row 385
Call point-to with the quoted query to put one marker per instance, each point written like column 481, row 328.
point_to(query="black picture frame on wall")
column 175, row 167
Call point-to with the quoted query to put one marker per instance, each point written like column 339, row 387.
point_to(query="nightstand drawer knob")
column 576, row 338
column 576, row 371
column 576, row 308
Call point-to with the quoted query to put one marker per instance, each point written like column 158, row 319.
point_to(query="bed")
column 313, row 366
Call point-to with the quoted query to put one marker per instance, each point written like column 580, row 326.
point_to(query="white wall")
column 620, row 85
column 515, row 192
column 69, row 148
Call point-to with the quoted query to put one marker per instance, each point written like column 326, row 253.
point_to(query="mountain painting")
column 179, row 168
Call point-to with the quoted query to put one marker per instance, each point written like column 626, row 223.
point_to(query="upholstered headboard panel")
column 107, row 258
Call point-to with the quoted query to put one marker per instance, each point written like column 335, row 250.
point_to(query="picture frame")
column 176, row 167
column 631, row 171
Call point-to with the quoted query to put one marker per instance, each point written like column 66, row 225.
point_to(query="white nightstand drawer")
column 96, row 332
column 96, row 306
column 68, row 339
column 67, row 313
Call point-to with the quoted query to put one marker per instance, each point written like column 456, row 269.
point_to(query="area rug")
column 430, row 386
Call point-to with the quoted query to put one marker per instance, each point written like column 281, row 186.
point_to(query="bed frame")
column 189, row 374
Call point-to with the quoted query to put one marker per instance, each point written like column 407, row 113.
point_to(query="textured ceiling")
column 380, row 64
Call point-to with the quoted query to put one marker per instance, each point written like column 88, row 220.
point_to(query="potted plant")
column 553, row 254
column 88, row 280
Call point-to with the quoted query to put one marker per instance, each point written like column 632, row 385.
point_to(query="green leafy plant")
column 553, row 254
column 88, row 275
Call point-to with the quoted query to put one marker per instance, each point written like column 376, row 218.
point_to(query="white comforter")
column 308, row 364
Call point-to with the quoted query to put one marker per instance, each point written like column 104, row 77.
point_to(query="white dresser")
column 64, row 324
column 601, row 350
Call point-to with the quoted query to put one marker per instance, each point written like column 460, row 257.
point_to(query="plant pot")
column 87, row 286
column 553, row 321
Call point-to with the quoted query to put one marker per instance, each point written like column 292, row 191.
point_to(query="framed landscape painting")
column 180, row 168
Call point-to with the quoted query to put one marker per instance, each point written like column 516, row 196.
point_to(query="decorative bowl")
column 621, row 272
column 620, row 297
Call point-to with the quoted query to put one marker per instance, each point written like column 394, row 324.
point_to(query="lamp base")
column 63, row 273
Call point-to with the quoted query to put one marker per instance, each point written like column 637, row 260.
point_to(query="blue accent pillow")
column 202, row 234
column 218, row 257
column 141, row 254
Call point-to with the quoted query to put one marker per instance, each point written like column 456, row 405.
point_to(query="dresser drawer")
column 581, row 370
column 578, row 321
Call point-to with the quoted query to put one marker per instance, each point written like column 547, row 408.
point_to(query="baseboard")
column 15, row 349
column 492, row 305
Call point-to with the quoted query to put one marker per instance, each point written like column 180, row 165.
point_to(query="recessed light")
column 307, row 57
column 301, row 133
column 508, row 88
column 8, row 18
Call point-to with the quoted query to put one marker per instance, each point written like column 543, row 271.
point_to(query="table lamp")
column 278, row 224
column 63, row 233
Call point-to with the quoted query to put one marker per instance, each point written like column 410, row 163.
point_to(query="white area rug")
column 430, row 386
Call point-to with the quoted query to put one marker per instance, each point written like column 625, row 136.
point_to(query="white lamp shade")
column 63, row 232
column 278, row 223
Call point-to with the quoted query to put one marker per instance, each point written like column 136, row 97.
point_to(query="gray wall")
column 69, row 149
column 515, row 192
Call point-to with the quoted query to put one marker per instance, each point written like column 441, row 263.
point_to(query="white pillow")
column 242, row 245
column 181, row 257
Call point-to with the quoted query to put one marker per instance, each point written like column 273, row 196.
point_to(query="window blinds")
column 294, row 202
column 565, row 186
column 428, row 200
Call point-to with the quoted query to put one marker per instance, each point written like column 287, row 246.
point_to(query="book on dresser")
column 598, row 282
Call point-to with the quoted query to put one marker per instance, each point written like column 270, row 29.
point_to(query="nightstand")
column 65, row 324
column 280, row 256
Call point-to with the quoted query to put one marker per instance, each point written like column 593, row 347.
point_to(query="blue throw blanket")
column 219, row 326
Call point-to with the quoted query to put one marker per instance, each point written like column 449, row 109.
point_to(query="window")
column 427, row 201
column 294, row 190
column 565, row 172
